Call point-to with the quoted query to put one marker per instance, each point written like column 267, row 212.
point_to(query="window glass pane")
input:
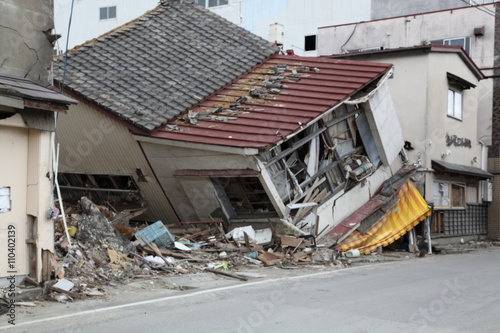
column 103, row 13
column 112, row 12
column 202, row 3
column 212, row 3
column 458, row 105
column 223, row 2
column 5, row 200
column 458, row 41
column 451, row 103
column 441, row 194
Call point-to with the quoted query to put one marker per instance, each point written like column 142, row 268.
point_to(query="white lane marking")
column 168, row 298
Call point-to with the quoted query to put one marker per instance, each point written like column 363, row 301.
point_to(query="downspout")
column 483, row 149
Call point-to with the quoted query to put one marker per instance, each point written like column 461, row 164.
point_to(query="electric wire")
column 66, row 50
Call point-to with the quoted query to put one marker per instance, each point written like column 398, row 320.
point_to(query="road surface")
column 441, row 293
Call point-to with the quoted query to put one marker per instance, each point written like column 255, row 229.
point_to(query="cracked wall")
column 25, row 50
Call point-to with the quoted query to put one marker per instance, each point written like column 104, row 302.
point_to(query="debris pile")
column 104, row 249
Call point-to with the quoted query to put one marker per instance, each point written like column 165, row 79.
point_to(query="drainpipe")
column 483, row 148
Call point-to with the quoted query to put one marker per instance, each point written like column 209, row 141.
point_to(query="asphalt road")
column 443, row 293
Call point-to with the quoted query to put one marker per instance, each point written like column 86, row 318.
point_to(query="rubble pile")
column 104, row 249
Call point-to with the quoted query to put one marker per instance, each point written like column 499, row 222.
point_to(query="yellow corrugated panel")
column 407, row 213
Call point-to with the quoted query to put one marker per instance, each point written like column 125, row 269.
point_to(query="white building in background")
column 297, row 20
column 294, row 23
column 92, row 18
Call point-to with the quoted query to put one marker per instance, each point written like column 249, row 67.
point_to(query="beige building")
column 27, row 122
column 435, row 95
column 473, row 28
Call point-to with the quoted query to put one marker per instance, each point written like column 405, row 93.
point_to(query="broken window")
column 243, row 197
column 5, row 201
column 116, row 190
column 320, row 161
column 107, row 13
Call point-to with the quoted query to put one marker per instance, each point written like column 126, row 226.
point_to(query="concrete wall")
column 439, row 124
column 419, row 92
column 95, row 144
column 26, row 51
column 299, row 18
column 384, row 8
column 417, row 29
column 85, row 23
column 13, row 171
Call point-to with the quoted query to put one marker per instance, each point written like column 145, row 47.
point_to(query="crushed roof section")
column 157, row 66
column 274, row 99
column 23, row 88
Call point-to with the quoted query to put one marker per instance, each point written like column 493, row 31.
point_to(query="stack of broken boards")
column 103, row 250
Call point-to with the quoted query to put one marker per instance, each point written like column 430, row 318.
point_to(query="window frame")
column 453, row 110
column 107, row 8
column 445, row 189
column 206, row 3
column 465, row 45
column 5, row 199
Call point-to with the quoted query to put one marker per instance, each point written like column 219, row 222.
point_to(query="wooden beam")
column 46, row 106
column 234, row 276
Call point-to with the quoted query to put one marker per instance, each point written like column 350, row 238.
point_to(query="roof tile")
column 246, row 113
column 178, row 48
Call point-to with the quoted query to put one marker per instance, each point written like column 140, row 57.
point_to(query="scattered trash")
column 156, row 233
column 352, row 253
column 107, row 249
column 64, row 285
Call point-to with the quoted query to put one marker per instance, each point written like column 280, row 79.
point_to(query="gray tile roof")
column 24, row 88
column 152, row 69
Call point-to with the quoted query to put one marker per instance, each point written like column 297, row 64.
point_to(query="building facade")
column 27, row 122
column 438, row 113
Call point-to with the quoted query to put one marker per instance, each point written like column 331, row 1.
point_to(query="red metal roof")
column 271, row 101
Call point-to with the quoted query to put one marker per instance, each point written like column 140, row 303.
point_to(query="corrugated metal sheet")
column 271, row 101
column 407, row 213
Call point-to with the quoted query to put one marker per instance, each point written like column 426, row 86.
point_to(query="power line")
column 66, row 51
column 480, row 8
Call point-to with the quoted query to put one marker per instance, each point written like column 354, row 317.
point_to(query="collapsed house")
column 438, row 114
column 307, row 140
column 133, row 80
